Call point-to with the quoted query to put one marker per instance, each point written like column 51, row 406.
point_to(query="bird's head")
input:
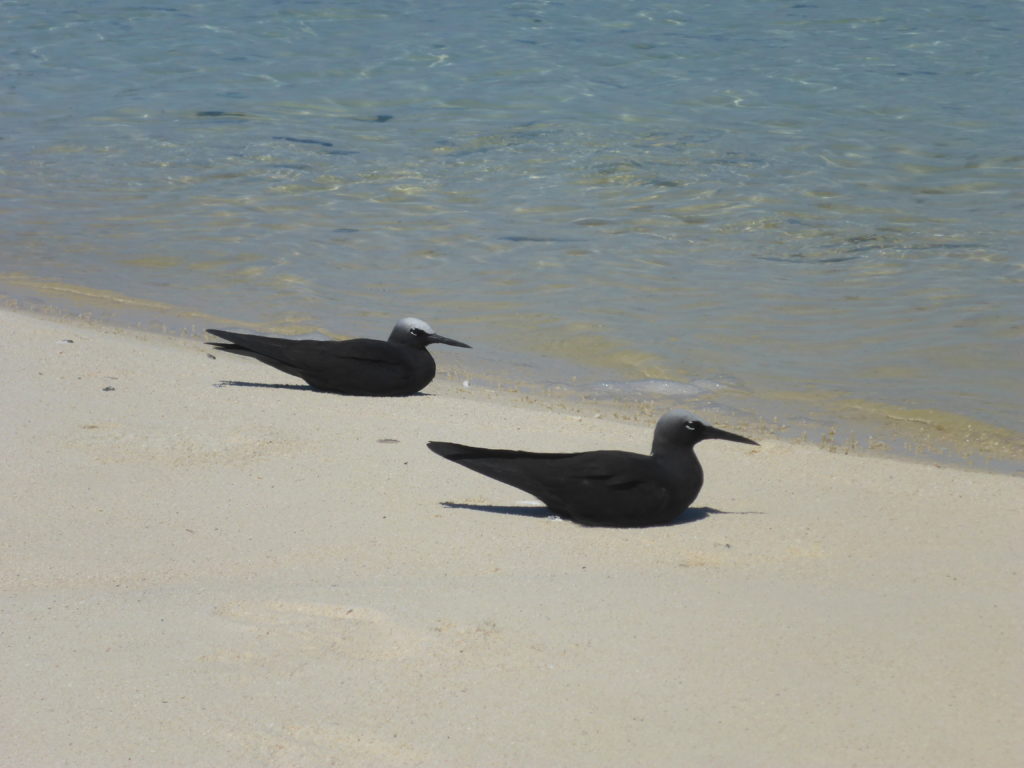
column 681, row 429
column 413, row 332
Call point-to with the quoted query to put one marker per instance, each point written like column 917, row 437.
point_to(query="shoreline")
column 214, row 575
column 841, row 426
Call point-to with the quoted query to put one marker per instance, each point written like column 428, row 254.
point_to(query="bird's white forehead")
column 407, row 324
column 677, row 416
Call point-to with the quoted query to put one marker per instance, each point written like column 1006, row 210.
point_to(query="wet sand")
column 248, row 575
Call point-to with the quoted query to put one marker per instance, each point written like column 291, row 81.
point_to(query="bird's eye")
column 691, row 425
column 417, row 332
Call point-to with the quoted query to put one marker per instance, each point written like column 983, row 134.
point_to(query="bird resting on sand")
column 606, row 488
column 399, row 366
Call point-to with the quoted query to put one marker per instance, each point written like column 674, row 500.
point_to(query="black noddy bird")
column 399, row 366
column 607, row 488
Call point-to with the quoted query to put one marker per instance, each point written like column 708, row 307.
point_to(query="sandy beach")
column 197, row 574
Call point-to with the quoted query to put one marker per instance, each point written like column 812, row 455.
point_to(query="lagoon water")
column 809, row 211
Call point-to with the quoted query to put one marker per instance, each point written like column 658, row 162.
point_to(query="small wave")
column 659, row 388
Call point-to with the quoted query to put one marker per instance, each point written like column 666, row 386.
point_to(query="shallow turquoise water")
column 809, row 207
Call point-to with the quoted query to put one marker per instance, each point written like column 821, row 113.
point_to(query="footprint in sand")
column 115, row 443
column 305, row 744
column 290, row 628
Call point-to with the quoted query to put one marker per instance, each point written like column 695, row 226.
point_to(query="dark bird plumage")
column 399, row 366
column 607, row 488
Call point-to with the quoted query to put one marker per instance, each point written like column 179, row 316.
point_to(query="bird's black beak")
column 712, row 433
column 436, row 338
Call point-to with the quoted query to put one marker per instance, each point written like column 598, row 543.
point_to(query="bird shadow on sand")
column 259, row 385
column 301, row 388
column 691, row 515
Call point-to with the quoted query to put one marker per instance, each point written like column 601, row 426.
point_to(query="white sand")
column 193, row 575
